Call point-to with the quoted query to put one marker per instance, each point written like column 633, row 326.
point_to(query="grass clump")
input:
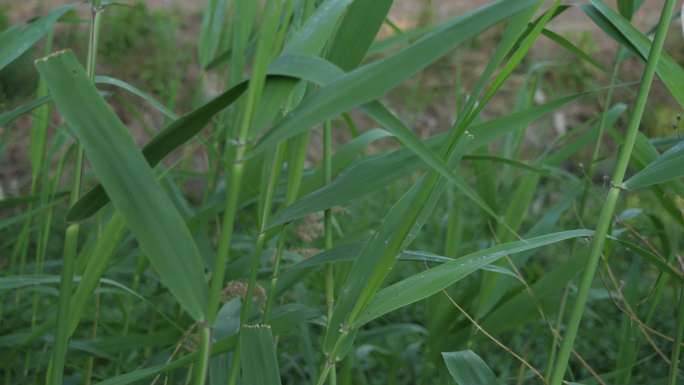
column 285, row 223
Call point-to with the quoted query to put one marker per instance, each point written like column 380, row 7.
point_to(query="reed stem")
column 608, row 208
column 329, row 270
column 71, row 237
column 262, row 57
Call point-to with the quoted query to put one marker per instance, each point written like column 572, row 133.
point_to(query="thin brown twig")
column 627, row 310
column 176, row 350
column 497, row 342
column 643, row 239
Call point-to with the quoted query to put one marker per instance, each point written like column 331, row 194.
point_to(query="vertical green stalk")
column 92, row 56
column 677, row 344
column 201, row 370
column 37, row 150
column 585, row 192
column 71, row 238
column 94, row 38
column 611, row 199
column 219, row 270
column 297, row 150
column 280, row 248
column 256, row 84
column 38, row 153
column 240, row 33
column 329, row 272
column 61, row 334
column 267, row 202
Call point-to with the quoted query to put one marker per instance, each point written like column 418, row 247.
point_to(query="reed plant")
column 329, row 242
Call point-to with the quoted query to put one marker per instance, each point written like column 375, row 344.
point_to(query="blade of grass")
column 664, row 168
column 212, row 30
column 39, row 129
column 16, row 40
column 135, row 91
column 467, row 368
column 56, row 369
column 240, row 38
column 124, row 172
column 622, row 30
column 173, row 136
column 372, row 173
column 297, row 148
column 264, row 53
column 328, row 236
column 308, row 41
column 627, row 8
column 433, row 280
column 9, row 116
column 320, row 71
column 570, row 47
column 259, row 363
column 58, row 359
column 357, row 31
column 372, row 81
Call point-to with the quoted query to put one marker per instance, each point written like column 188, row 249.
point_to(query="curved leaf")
column 667, row 166
column 431, row 281
column 135, row 91
column 375, row 172
column 129, row 180
column 625, row 33
column 372, row 81
column 9, row 116
column 170, row 138
column 16, row 40
column 306, row 41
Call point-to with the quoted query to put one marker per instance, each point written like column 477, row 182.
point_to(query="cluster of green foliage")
column 308, row 258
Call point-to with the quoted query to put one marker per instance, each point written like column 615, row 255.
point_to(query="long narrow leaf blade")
column 258, row 360
column 372, row 81
column 429, row 282
column 668, row 166
column 667, row 69
column 18, row 39
column 128, row 180
column 373, row 173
